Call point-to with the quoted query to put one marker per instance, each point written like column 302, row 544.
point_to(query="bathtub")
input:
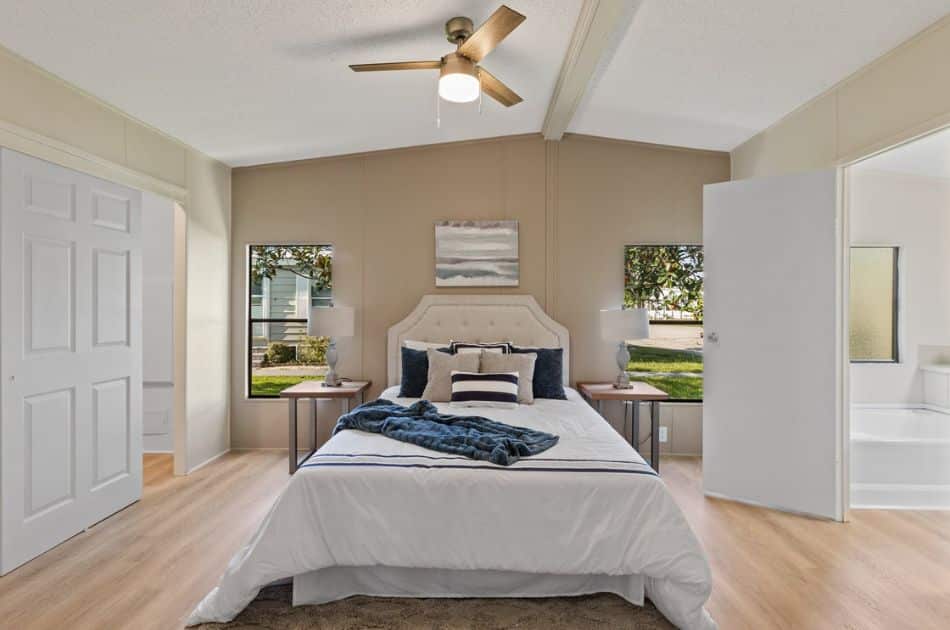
column 900, row 458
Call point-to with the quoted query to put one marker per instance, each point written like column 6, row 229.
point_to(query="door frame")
column 843, row 353
column 180, row 339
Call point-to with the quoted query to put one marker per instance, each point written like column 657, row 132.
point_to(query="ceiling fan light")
column 458, row 88
column 458, row 79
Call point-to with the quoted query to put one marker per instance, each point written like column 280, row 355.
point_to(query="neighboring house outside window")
column 667, row 280
column 284, row 282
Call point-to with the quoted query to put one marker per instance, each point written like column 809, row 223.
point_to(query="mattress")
column 368, row 514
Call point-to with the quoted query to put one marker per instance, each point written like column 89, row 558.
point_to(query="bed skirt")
column 333, row 583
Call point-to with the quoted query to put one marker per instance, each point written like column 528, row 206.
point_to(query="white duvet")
column 589, row 505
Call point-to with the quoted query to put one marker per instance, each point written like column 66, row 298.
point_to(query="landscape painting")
column 476, row 254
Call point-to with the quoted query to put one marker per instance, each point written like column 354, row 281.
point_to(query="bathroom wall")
column 912, row 212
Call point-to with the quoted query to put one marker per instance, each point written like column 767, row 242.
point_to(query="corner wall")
column 901, row 95
column 577, row 203
column 48, row 118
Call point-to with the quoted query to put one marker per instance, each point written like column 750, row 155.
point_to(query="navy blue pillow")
column 548, row 371
column 415, row 372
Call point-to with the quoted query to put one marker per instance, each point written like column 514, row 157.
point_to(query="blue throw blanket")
column 471, row 436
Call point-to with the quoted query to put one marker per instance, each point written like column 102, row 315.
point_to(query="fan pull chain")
column 438, row 111
column 480, row 91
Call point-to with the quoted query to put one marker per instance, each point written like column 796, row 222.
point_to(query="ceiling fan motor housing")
column 454, row 63
column 458, row 29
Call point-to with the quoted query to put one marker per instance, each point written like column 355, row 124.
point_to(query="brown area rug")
column 272, row 611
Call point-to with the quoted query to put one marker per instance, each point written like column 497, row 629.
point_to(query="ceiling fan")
column 461, row 79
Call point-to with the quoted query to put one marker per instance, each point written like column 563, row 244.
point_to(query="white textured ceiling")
column 928, row 156
column 251, row 81
column 711, row 74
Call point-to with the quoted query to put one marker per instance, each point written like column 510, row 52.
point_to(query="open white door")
column 774, row 383
column 70, row 353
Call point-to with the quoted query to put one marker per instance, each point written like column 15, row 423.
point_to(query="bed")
column 370, row 515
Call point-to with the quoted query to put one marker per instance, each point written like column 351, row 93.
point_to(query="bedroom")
column 292, row 148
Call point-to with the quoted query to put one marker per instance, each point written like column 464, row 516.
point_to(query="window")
column 284, row 282
column 667, row 280
column 874, row 304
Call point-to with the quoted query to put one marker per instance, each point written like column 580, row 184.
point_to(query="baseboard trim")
column 900, row 496
column 903, row 406
column 257, row 448
column 208, row 461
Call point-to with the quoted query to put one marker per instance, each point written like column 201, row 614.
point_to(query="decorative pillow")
column 458, row 347
column 415, row 372
column 548, row 371
column 439, row 385
column 523, row 364
column 479, row 389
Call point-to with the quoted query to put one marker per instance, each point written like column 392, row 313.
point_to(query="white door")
column 70, row 353
column 773, row 395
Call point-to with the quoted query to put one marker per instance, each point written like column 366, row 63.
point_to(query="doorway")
column 899, row 326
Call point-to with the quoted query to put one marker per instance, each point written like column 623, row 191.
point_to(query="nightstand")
column 597, row 393
column 315, row 390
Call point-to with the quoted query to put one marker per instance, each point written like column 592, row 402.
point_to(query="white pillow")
column 423, row 345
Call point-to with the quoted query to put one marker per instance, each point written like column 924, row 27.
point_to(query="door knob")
column 713, row 337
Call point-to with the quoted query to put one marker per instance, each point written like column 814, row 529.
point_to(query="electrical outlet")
column 664, row 434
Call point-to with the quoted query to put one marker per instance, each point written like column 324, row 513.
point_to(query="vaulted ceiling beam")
column 593, row 39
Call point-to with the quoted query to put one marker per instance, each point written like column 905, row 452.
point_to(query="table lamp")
column 333, row 322
column 621, row 325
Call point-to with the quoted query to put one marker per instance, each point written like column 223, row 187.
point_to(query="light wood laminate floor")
column 147, row 566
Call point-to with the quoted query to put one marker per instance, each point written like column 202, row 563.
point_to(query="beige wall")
column 899, row 96
column 577, row 202
column 43, row 116
column 207, row 393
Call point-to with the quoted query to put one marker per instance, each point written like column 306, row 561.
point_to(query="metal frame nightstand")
column 315, row 390
column 597, row 393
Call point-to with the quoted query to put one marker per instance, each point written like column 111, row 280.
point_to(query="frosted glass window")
column 874, row 304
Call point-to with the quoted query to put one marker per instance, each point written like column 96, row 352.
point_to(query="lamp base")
column 623, row 381
column 332, row 379
column 623, row 356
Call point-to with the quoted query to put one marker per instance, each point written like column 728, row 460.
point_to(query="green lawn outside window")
column 679, row 373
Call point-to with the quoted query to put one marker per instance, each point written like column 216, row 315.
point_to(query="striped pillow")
column 474, row 389
column 461, row 347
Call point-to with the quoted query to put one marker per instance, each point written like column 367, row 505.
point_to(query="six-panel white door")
column 70, row 353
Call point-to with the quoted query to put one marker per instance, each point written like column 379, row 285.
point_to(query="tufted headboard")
column 442, row 318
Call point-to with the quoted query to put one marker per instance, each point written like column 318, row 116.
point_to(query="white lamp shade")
column 331, row 321
column 623, row 324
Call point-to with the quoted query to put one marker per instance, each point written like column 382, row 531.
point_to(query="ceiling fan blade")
column 496, row 89
column 488, row 35
column 397, row 65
